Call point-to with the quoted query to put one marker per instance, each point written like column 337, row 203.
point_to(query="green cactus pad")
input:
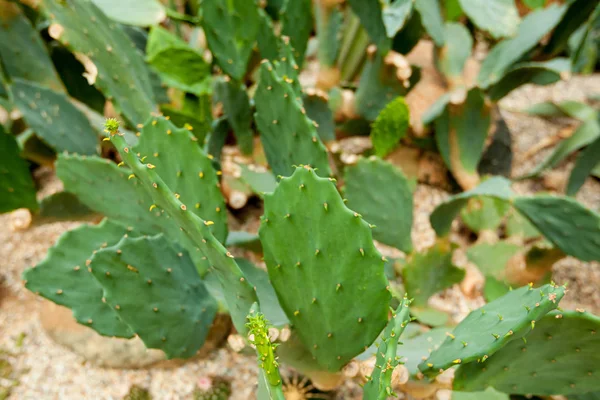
column 58, row 122
column 450, row 59
column 378, row 86
column 338, row 280
column 267, row 41
column 286, row 66
column 382, row 194
column 22, row 50
column 442, row 217
column 486, row 330
column 460, row 133
column 63, row 206
column 539, row 73
column 231, row 28
column 488, row 394
column 17, row 189
column 560, row 357
column 390, row 126
column 371, row 17
column 186, row 169
column 238, row 293
column 415, row 350
column 565, row 222
column 428, row 273
column 499, row 17
column 484, row 213
column 530, row 31
column 491, row 259
column 317, row 109
column 122, row 73
column 157, row 292
column 584, row 166
column 182, row 67
column 289, row 137
column 297, row 24
column 236, row 106
column 431, row 19
column 379, row 385
column 63, row 277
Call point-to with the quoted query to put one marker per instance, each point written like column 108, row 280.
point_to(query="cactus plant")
column 120, row 68
column 57, row 121
column 331, row 271
column 219, row 389
column 383, row 195
column 16, row 185
column 488, row 329
column 231, row 29
column 236, row 106
column 379, row 384
column 390, row 126
column 428, row 273
column 296, row 23
column 289, row 137
column 548, row 362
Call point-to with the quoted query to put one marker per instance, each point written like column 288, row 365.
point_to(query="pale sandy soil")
column 46, row 370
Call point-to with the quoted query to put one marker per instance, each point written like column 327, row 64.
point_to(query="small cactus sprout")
column 259, row 333
column 212, row 388
column 111, row 125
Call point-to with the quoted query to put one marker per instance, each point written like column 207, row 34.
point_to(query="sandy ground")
column 46, row 370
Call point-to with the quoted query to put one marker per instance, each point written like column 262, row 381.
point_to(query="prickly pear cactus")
column 297, row 24
column 489, row 328
column 560, row 356
column 239, row 294
column 22, row 50
column 122, row 73
column 64, row 277
column 460, row 133
column 157, row 292
column 186, row 169
column 289, row 137
column 16, row 186
column 236, row 106
column 54, row 118
column 382, row 194
column 338, row 280
column 265, row 351
column 379, row 385
column 231, row 29
column 267, row 41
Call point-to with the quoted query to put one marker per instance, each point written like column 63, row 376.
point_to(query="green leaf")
column 584, row 166
column 430, row 272
column 484, row 213
column 64, row 277
column 577, row 13
column 383, row 196
column 22, row 50
column 157, row 292
column 16, row 185
column 531, row 30
column 133, row 12
column 390, row 126
column 567, row 108
column 54, row 118
column 499, row 17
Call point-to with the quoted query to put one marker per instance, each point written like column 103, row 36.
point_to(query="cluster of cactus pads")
column 160, row 264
